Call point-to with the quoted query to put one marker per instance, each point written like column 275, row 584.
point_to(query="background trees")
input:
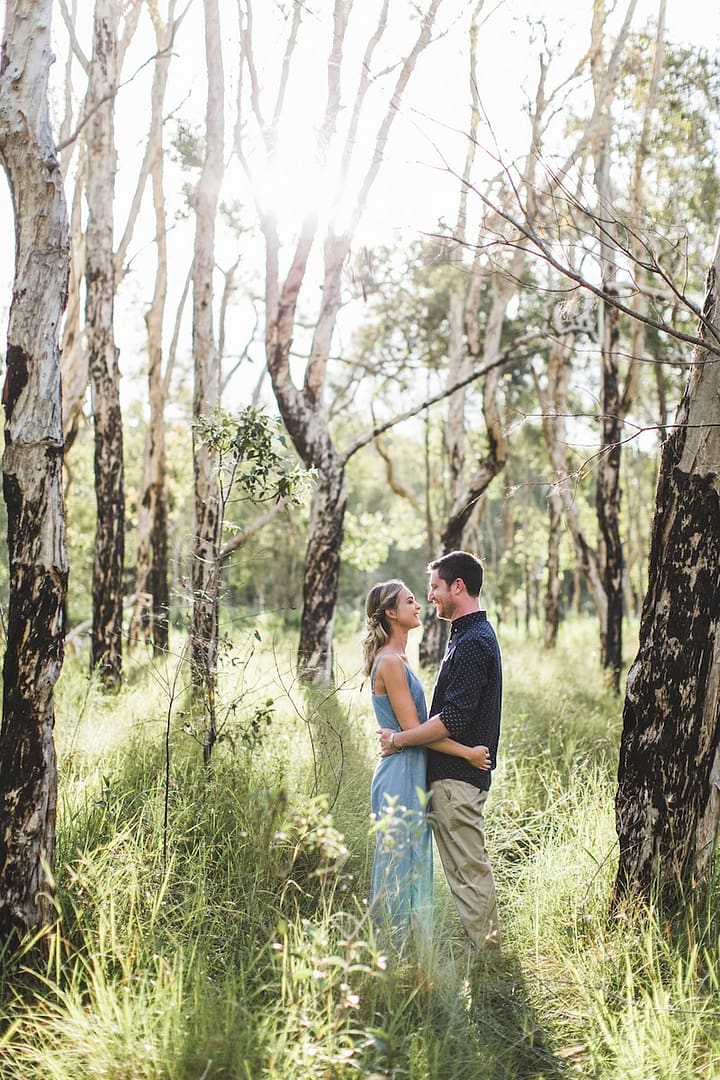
column 357, row 363
column 350, row 174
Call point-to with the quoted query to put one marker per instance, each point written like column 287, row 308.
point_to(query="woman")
column 401, row 884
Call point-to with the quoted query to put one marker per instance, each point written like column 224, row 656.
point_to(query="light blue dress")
column 401, row 884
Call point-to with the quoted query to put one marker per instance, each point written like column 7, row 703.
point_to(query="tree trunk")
column 107, row 582
column 554, row 403
column 667, row 801
column 322, row 571
column 75, row 361
column 206, row 396
column 150, row 613
column 612, row 407
column 305, row 411
column 75, row 377
column 32, row 474
column 610, row 549
column 552, row 584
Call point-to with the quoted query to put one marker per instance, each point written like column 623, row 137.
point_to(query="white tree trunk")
column 107, row 587
column 149, row 618
column 32, row 473
column 206, row 396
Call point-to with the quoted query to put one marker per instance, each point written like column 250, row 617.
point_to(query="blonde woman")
column 401, row 884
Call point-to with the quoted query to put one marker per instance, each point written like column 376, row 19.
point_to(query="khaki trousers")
column 459, row 828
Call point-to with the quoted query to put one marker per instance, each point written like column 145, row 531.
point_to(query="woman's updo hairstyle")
column 381, row 599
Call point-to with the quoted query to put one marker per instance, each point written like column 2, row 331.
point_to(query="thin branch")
column 539, row 247
column 74, row 43
column 110, row 96
column 244, row 534
column 378, row 429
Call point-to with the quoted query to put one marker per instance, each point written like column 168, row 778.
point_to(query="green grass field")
column 213, row 923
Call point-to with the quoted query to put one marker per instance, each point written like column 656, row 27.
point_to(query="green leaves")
column 253, row 458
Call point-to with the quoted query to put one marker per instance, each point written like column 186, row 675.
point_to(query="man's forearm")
column 429, row 732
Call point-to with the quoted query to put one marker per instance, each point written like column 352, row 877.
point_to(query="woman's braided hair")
column 382, row 598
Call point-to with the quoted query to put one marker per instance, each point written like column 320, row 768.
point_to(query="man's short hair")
column 460, row 564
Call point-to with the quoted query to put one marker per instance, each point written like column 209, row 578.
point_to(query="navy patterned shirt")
column 468, row 697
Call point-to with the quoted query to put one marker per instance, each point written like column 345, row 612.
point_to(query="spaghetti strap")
column 373, row 670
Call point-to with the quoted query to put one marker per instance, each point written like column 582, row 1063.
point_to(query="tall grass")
column 237, row 942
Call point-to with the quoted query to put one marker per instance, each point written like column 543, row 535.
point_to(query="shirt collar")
column 466, row 621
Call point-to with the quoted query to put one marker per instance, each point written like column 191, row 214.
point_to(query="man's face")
column 441, row 596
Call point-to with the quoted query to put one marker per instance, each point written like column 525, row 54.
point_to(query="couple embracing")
column 447, row 756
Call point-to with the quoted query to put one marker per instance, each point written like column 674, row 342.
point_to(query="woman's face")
column 407, row 610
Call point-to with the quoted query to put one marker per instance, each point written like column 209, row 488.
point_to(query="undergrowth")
column 213, row 922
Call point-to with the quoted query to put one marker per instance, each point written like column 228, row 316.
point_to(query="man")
column 466, row 706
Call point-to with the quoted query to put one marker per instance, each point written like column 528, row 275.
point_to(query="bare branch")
column 247, row 532
column 74, row 43
column 539, row 247
column 505, row 357
column 110, row 96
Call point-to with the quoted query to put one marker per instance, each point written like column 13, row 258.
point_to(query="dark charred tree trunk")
column 668, row 795
column 107, row 582
column 32, row 474
column 322, row 570
column 434, row 640
column 608, row 503
column 552, row 585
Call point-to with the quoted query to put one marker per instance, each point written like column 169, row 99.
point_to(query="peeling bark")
column 205, row 572
column 32, row 475
column 107, row 580
column 669, row 777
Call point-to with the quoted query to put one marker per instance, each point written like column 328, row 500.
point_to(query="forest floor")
column 212, row 922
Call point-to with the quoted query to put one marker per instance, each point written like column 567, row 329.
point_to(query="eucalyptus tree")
column 149, row 617
column 300, row 387
column 107, row 578
column 206, row 367
column 32, row 474
column 103, row 366
column 75, row 129
column 668, row 795
column 71, row 145
column 577, row 215
column 497, row 264
column 87, row 145
column 552, row 386
column 645, row 286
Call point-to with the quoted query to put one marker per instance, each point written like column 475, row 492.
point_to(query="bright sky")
column 415, row 190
